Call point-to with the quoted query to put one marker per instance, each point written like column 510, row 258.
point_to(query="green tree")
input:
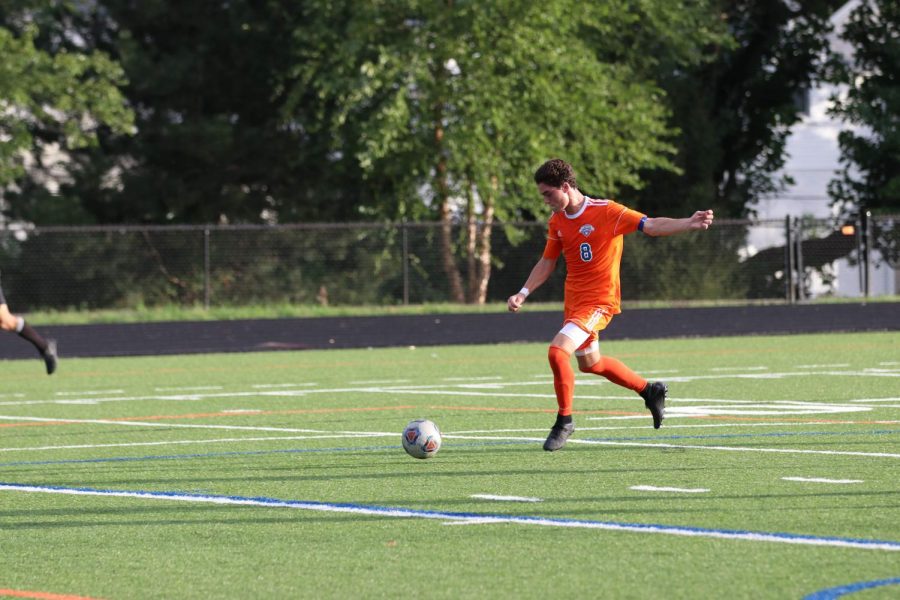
column 735, row 107
column 207, row 81
column 870, row 178
column 53, row 101
column 461, row 101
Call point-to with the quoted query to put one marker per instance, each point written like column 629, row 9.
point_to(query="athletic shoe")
column 49, row 355
column 558, row 436
column 654, row 396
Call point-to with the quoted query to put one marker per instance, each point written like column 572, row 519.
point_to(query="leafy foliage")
column 53, row 102
column 436, row 94
column 870, row 179
column 734, row 108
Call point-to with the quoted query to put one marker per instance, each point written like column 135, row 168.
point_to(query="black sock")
column 643, row 393
column 34, row 337
column 563, row 419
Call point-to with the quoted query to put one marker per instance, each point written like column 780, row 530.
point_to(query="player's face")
column 557, row 198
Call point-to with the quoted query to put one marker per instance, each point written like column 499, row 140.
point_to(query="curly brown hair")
column 554, row 173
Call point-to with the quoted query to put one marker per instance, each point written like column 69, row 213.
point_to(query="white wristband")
column 524, row 291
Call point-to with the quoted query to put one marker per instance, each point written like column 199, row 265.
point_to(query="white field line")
column 743, row 449
column 281, row 385
column 762, row 410
column 505, row 498
column 324, row 434
column 835, row 366
column 187, row 389
column 873, row 400
column 739, row 369
column 320, row 434
column 74, row 401
column 441, row 389
column 345, row 435
column 547, row 376
column 800, row 408
column 90, row 393
column 475, row 521
column 618, row 418
column 673, row 426
column 398, row 512
column 686, row 446
column 383, row 381
column 164, row 425
column 822, row 480
column 197, row 397
column 653, row 488
column 785, row 375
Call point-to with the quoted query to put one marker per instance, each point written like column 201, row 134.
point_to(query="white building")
column 813, row 161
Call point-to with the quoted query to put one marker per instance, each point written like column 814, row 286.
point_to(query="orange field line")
column 455, row 361
column 217, row 414
column 40, row 424
column 41, row 595
column 639, row 414
column 439, row 407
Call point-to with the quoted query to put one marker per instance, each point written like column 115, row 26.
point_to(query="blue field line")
column 467, row 517
column 713, row 436
column 479, row 443
column 115, row 459
column 843, row 590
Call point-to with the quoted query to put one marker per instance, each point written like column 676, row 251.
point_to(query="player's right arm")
column 539, row 274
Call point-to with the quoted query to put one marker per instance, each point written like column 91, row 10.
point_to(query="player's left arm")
column 662, row 226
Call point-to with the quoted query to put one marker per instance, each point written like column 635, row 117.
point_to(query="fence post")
column 788, row 261
column 867, row 250
column 798, row 241
column 206, row 276
column 405, row 237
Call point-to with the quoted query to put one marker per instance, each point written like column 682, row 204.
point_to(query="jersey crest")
column 586, row 230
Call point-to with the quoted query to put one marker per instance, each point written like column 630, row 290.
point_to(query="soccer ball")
column 421, row 439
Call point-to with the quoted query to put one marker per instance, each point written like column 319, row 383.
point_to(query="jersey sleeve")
column 623, row 219
column 553, row 248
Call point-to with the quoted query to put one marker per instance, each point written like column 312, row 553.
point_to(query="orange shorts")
column 590, row 318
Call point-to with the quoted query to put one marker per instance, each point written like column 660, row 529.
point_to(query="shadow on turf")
column 204, row 516
column 286, row 474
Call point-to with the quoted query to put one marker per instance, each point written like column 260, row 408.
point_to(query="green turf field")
column 280, row 475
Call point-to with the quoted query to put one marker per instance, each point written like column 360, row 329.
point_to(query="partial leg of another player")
column 47, row 348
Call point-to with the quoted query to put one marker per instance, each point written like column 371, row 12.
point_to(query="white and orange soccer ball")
column 421, row 439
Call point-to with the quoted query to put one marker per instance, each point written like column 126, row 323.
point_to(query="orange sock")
column 618, row 373
column 563, row 379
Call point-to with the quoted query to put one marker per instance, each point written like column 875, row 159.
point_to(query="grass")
column 142, row 314
column 323, row 428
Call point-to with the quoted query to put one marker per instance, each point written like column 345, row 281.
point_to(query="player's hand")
column 702, row 219
column 515, row 302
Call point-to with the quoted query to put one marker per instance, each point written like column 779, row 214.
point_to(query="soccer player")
column 11, row 322
column 588, row 233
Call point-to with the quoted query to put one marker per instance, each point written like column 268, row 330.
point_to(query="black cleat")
column 50, row 358
column 558, row 436
column 654, row 396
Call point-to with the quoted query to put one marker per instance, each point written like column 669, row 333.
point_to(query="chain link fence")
column 392, row 264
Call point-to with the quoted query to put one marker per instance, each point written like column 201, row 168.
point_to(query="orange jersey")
column 591, row 242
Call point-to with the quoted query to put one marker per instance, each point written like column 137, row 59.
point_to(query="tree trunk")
column 484, row 248
column 471, row 237
column 446, row 231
